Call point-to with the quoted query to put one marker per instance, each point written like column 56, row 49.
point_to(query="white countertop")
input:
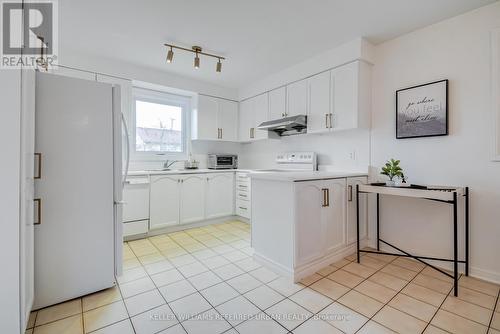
column 304, row 176
column 183, row 171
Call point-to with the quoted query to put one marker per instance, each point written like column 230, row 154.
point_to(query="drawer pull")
column 38, row 204
column 349, row 194
column 242, row 208
column 38, row 165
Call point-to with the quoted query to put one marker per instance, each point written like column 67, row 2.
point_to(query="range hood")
column 287, row 126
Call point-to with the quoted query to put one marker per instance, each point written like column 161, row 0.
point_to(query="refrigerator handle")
column 128, row 150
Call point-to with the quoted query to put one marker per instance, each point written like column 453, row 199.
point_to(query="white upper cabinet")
column 215, row 119
column 318, row 119
column 227, row 120
column 205, row 119
column 253, row 112
column 351, row 96
column 246, row 120
column 220, row 195
column 277, row 103
column 297, row 98
column 261, row 111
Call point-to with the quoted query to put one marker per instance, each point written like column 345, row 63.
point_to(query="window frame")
column 160, row 97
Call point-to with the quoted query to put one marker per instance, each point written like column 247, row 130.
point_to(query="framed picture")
column 422, row 111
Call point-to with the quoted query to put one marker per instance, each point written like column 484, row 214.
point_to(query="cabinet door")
column 309, row 223
column 164, row 201
column 277, row 103
column 319, row 103
column 261, row 112
column 334, row 219
column 297, row 98
column 220, row 195
column 344, row 96
column 227, row 120
column 351, row 210
column 206, row 118
column 246, row 120
column 192, row 199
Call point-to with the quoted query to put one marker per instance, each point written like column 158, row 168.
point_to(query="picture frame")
column 422, row 110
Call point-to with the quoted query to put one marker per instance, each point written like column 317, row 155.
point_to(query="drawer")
column 242, row 177
column 243, row 209
column 134, row 228
column 242, row 195
column 240, row 186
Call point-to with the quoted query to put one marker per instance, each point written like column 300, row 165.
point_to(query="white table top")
column 412, row 192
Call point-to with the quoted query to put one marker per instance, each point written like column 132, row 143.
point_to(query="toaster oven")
column 222, row 161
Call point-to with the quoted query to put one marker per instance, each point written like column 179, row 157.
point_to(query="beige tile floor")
column 203, row 280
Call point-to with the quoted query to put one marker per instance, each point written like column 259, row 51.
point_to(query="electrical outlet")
column 352, row 155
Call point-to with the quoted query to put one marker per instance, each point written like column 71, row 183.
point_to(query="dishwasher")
column 136, row 206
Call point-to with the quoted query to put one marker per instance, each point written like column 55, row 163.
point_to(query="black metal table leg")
column 455, row 241
column 357, row 221
column 378, row 222
column 466, row 231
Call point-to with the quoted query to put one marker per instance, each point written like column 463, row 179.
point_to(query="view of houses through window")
column 158, row 127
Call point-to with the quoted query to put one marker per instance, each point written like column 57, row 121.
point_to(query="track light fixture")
column 170, row 55
column 218, row 68
column 197, row 50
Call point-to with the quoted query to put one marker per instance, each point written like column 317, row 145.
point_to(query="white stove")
column 294, row 161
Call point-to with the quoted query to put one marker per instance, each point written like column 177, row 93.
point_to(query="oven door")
column 225, row 161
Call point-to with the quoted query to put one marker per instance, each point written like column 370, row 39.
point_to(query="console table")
column 448, row 195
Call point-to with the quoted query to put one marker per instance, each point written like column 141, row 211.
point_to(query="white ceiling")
column 259, row 37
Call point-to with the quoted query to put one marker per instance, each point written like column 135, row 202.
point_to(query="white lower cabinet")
column 320, row 219
column 192, row 198
column 136, row 205
column 164, row 201
column 315, row 221
column 219, row 195
column 243, row 195
column 351, row 210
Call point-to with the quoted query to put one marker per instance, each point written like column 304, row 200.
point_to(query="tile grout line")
column 494, row 310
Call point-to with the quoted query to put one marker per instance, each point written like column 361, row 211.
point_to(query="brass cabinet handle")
column 38, row 204
column 242, row 208
column 349, row 193
column 326, row 121
column 220, row 133
column 331, row 125
column 38, row 167
column 326, row 197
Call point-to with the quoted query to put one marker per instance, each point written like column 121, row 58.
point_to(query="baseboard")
column 176, row 228
column 299, row 273
column 487, row 275
column 272, row 265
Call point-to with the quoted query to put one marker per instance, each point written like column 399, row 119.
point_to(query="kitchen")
column 248, row 184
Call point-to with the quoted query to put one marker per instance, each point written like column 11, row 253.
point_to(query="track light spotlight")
column 170, row 55
column 218, row 68
column 196, row 61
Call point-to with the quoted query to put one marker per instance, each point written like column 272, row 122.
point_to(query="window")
column 160, row 127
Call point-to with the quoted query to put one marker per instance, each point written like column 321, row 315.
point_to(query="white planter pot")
column 390, row 183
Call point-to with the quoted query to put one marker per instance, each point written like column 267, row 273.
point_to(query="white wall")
column 10, row 136
column 456, row 49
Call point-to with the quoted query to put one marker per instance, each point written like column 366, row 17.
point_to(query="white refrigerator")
column 78, row 188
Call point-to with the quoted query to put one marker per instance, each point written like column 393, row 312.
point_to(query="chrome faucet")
column 169, row 163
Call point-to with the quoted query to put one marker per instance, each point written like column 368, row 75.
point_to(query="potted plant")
column 392, row 170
